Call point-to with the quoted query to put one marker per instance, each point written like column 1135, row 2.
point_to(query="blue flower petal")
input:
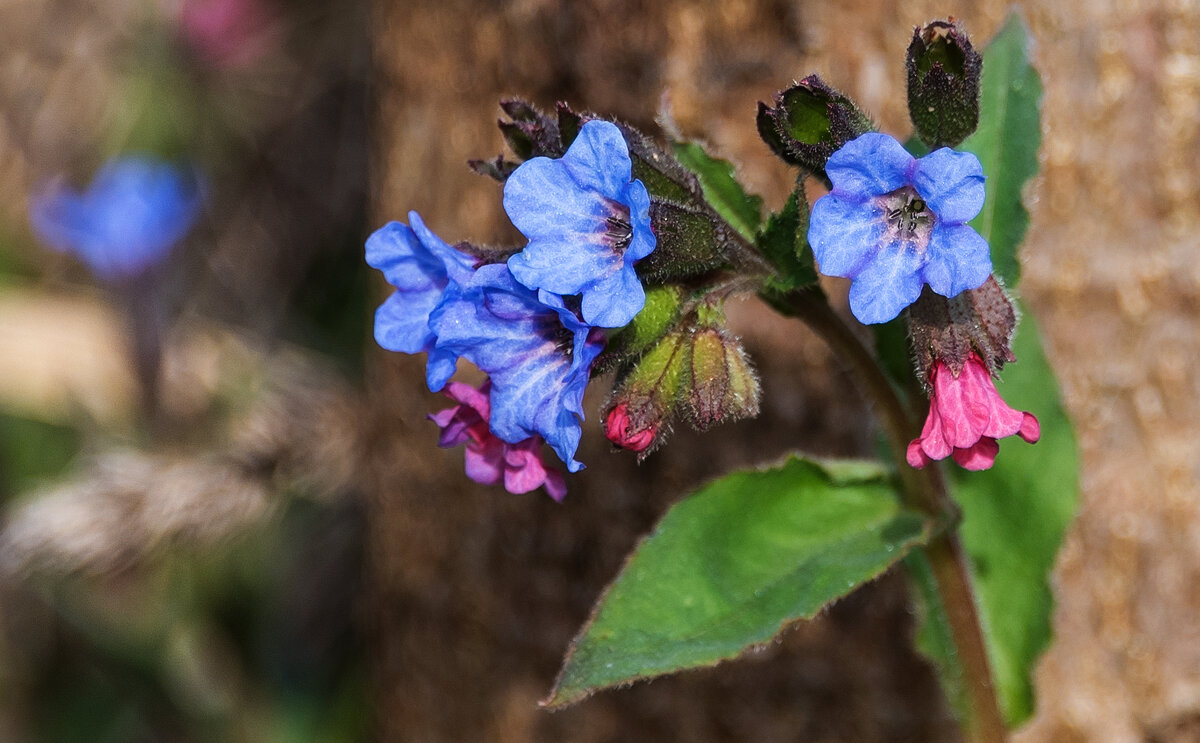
column 951, row 183
column 402, row 321
column 871, row 165
column 615, row 300
column 887, row 285
column 958, row 259
column 405, row 262
column 439, row 368
column 643, row 241
column 598, row 159
column 458, row 266
column 844, row 233
column 544, row 201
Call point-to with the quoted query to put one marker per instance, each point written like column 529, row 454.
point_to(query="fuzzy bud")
column 810, row 121
column 724, row 386
column 643, row 403
column 943, row 83
column 620, row 429
column 978, row 321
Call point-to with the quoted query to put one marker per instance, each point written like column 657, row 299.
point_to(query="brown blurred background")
column 461, row 600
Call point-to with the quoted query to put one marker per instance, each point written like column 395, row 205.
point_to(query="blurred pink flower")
column 228, row 34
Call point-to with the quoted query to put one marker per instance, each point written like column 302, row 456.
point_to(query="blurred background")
column 264, row 543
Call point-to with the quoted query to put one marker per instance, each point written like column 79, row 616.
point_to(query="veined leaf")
column 733, row 564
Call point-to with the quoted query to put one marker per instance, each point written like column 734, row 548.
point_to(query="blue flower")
column 537, row 352
column 420, row 265
column 135, row 210
column 587, row 222
column 893, row 223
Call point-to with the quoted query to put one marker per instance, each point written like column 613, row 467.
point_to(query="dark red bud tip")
column 617, row 430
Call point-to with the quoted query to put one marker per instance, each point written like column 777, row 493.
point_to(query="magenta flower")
column 490, row 460
column 966, row 416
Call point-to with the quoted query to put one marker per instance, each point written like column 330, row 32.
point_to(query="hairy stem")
column 923, row 490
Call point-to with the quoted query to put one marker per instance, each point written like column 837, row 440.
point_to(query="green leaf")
column 721, row 189
column 730, row 566
column 1014, row 518
column 784, row 241
column 1006, row 143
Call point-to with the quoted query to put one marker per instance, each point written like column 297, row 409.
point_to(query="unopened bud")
column 620, row 429
column 978, row 321
column 724, row 386
column 943, row 83
column 810, row 121
column 643, row 402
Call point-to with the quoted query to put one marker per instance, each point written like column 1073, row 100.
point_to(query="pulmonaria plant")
column 136, row 209
column 532, row 323
column 632, row 252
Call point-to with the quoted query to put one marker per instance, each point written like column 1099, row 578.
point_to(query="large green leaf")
column 721, row 189
column 1014, row 517
column 1006, row 143
column 731, row 565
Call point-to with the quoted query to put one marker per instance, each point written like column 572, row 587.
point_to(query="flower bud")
column 810, row 121
column 724, row 386
column 643, row 403
column 620, row 429
column 978, row 321
column 943, row 83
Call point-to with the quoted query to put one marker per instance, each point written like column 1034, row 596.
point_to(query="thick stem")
column 924, row 490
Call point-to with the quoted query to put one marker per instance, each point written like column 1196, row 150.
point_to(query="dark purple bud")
column 943, row 83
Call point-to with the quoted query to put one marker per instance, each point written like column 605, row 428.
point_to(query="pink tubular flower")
column 489, row 460
column 966, row 416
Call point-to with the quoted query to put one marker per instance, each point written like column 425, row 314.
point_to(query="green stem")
column 923, row 490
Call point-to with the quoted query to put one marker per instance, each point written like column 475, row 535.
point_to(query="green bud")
column 943, row 83
column 810, row 121
column 723, row 387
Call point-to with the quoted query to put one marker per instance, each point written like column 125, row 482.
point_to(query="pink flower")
column 617, row 429
column 228, row 34
column 966, row 416
column 489, row 460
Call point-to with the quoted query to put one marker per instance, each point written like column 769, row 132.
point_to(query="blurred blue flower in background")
column 136, row 209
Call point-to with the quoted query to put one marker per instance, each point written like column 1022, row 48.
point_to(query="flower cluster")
column 135, row 210
column 532, row 324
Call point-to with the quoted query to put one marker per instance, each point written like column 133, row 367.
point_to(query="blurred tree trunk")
column 475, row 593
